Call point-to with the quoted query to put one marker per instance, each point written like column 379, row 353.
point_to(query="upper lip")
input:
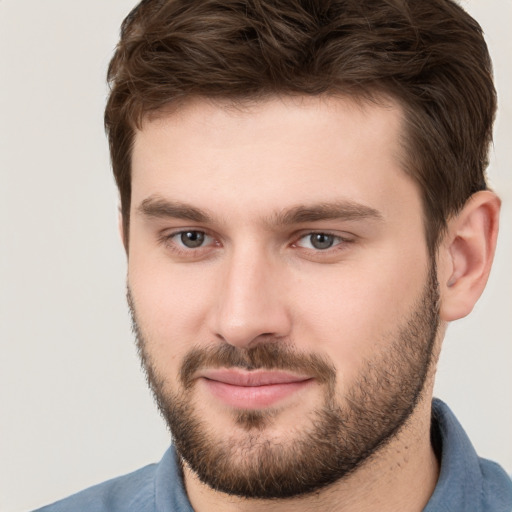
column 237, row 377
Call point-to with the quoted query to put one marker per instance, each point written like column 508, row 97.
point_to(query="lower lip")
column 254, row 397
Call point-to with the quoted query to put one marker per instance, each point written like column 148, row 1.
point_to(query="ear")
column 466, row 254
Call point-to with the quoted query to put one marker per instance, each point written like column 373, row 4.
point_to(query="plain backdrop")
column 74, row 409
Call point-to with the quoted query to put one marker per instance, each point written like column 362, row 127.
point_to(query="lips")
column 252, row 389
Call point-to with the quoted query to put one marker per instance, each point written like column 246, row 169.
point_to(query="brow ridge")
column 159, row 207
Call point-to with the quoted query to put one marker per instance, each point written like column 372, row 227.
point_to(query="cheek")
column 354, row 313
column 170, row 308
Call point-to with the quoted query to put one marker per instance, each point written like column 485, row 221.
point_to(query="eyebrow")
column 162, row 208
column 338, row 210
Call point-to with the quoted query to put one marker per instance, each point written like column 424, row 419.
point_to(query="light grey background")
column 74, row 409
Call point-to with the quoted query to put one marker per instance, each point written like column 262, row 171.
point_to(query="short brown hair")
column 429, row 55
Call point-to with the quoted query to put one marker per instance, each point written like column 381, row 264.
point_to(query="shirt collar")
column 460, row 479
column 170, row 494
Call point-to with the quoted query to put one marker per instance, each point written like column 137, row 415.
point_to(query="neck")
column 401, row 476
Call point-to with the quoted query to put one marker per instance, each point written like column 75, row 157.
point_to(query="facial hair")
column 341, row 433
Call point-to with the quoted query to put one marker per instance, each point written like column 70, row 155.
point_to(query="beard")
column 339, row 435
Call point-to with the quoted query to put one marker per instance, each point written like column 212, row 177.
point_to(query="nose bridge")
column 250, row 304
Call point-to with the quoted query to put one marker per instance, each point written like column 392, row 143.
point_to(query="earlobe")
column 468, row 251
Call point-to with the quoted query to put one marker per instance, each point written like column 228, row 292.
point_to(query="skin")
column 255, row 277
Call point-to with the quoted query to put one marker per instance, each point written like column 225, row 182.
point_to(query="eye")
column 319, row 241
column 188, row 244
column 190, row 239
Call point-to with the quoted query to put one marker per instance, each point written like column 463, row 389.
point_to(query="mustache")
column 269, row 354
column 273, row 355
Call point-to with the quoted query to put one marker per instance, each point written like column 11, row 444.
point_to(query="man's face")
column 285, row 305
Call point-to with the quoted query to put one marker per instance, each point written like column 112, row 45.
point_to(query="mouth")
column 256, row 389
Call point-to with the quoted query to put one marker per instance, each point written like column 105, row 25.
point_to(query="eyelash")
column 339, row 243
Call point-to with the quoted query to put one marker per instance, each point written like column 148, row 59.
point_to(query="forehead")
column 272, row 154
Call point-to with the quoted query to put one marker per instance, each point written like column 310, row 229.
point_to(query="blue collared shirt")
column 467, row 483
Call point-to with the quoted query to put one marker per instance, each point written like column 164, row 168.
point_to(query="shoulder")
column 132, row 492
column 497, row 486
column 466, row 481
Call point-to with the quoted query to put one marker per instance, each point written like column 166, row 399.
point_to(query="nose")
column 251, row 303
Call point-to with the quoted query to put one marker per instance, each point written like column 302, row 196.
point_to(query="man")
column 304, row 210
